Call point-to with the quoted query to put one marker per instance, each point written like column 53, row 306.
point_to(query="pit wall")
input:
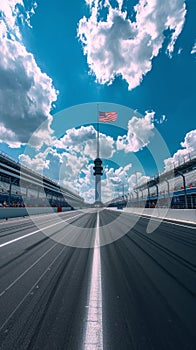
column 16, row 212
column 175, row 214
column 164, row 213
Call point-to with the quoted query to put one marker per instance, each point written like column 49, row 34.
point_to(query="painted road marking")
column 94, row 329
column 41, row 229
column 30, row 290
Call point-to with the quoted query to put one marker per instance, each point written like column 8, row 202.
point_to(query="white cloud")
column 189, row 147
column 119, row 46
column 9, row 17
column 68, row 166
column 72, row 166
column 38, row 163
column 83, row 140
column 140, row 130
column 74, row 169
column 116, row 181
column 75, row 138
column 74, row 152
column 119, row 175
column 114, row 177
column 106, row 147
column 40, row 160
column 161, row 120
column 81, row 177
column 77, row 173
column 26, row 93
column 193, row 51
column 137, row 179
column 8, row 136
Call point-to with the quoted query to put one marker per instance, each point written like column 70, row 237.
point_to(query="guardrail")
column 6, row 213
column 172, row 214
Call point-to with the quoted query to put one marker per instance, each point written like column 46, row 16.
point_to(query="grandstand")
column 21, row 186
column 174, row 188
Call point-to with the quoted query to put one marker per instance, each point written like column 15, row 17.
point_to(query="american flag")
column 107, row 117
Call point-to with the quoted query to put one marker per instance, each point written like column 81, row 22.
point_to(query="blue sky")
column 59, row 60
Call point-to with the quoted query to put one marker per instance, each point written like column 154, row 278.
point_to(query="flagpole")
column 97, row 130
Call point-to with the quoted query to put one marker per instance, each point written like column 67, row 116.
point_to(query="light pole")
column 10, row 192
column 168, row 190
column 123, row 190
column 142, row 197
column 184, row 185
column 148, row 196
column 157, row 188
column 137, row 197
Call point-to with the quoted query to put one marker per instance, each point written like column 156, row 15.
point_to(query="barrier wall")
column 16, row 212
column 175, row 214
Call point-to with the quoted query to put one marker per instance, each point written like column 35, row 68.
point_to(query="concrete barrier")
column 6, row 213
column 165, row 213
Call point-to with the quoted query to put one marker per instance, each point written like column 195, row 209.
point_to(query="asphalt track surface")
column 138, row 292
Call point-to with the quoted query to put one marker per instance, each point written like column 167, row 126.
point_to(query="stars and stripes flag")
column 107, row 117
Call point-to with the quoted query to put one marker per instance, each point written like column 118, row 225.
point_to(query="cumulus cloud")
column 9, row 12
column 193, row 51
column 113, row 178
column 78, row 174
column 8, row 136
column 140, row 130
column 74, row 138
column 190, row 141
column 37, row 163
column 83, row 140
column 106, row 147
column 116, row 180
column 116, row 45
column 86, row 184
column 79, row 178
column 137, row 179
column 161, row 120
column 72, row 166
column 26, row 93
column 74, row 153
column 119, row 175
column 179, row 50
column 42, row 159
column 182, row 155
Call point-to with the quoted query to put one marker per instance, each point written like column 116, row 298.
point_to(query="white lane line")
column 29, row 268
column 41, row 229
column 30, row 290
column 93, row 339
